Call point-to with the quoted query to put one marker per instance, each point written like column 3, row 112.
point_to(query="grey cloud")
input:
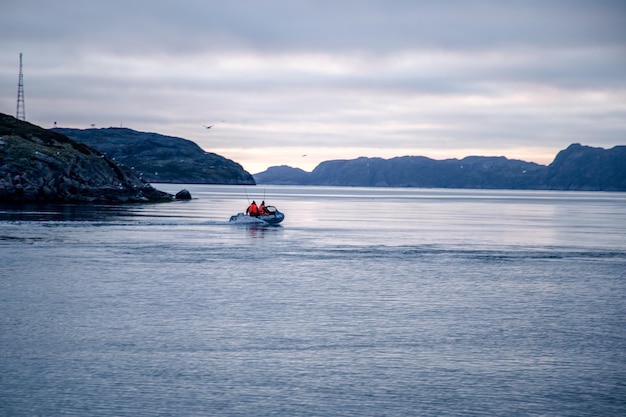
column 187, row 25
column 408, row 73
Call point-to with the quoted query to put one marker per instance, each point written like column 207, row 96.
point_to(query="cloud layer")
column 280, row 79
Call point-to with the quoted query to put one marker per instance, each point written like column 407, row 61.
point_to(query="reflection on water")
column 393, row 216
column 63, row 212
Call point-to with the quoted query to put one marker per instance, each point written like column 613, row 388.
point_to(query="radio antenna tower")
column 21, row 112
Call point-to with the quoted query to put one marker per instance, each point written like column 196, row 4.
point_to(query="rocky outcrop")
column 183, row 194
column 40, row 166
column 159, row 158
column 582, row 168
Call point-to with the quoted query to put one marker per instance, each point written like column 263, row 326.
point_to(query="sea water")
column 363, row 302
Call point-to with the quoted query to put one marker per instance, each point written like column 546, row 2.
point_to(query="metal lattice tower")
column 20, row 114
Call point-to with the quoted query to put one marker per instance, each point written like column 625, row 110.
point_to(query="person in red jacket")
column 253, row 210
column 262, row 210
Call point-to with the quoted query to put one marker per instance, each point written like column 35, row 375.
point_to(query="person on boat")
column 253, row 210
column 262, row 210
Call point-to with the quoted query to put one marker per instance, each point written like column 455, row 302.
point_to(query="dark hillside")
column 586, row 168
column 159, row 158
column 37, row 165
column 575, row 168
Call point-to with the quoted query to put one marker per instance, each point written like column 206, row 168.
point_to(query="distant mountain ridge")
column 576, row 168
column 160, row 158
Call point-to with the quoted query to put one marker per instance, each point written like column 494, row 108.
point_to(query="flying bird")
column 207, row 127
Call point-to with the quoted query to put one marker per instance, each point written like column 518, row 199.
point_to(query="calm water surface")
column 364, row 302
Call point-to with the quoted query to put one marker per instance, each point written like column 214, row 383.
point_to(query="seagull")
column 208, row 127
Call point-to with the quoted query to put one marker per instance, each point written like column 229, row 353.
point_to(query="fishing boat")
column 272, row 216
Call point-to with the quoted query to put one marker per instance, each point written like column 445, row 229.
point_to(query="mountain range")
column 577, row 167
column 159, row 158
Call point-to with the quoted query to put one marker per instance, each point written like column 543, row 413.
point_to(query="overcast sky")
column 298, row 82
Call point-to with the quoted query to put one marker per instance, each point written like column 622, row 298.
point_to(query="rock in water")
column 183, row 194
column 40, row 166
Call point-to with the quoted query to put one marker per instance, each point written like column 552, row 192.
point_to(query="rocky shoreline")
column 40, row 166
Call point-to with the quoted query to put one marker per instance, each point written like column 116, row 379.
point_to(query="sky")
column 298, row 82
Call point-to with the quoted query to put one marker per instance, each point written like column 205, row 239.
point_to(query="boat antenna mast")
column 20, row 113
